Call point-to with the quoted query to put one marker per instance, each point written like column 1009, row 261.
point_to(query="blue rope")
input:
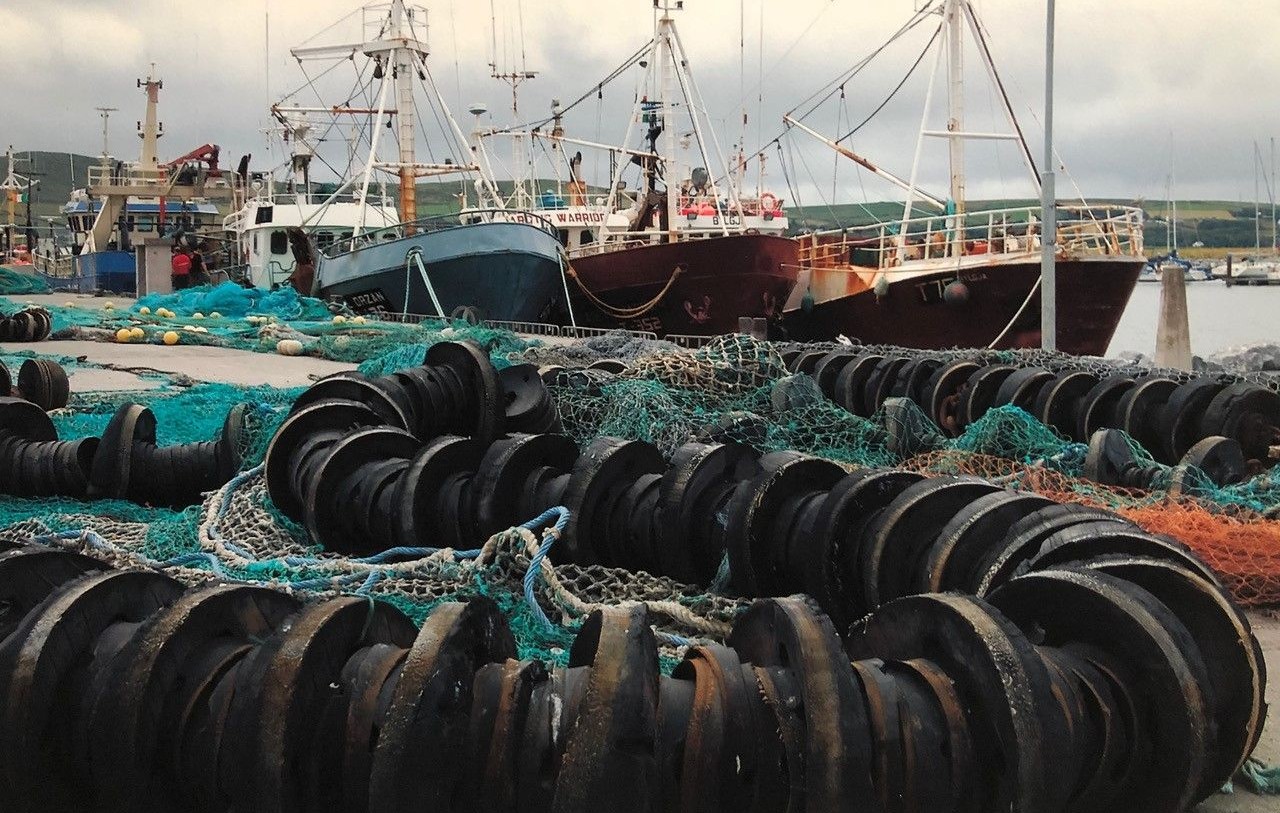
column 531, row 575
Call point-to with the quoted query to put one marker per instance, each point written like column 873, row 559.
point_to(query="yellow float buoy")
column 137, row 333
column 171, row 337
column 215, row 315
column 197, row 315
column 144, row 310
column 124, row 335
column 289, row 347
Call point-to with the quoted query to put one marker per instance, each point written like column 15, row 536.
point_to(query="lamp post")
column 1048, row 204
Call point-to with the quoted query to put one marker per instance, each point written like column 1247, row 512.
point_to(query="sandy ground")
column 242, row 367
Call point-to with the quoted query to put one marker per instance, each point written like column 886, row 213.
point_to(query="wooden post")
column 1228, row 271
column 1173, row 333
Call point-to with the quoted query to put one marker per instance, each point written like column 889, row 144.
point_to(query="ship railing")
column 607, row 247
column 53, row 266
column 1082, row 231
column 432, row 223
column 131, row 174
column 579, row 332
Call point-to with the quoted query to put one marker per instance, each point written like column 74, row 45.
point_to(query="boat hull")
column 506, row 271
column 914, row 312
column 723, row 278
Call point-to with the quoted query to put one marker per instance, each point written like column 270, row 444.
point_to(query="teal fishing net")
column 15, row 282
column 734, row 388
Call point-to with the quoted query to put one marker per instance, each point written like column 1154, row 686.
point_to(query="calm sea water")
column 1220, row 317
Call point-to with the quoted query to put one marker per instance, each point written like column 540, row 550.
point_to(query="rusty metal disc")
column 723, row 750
column 1219, row 458
column 891, row 777
column 674, row 714
column 604, row 470
column 28, row 575
column 998, row 563
column 835, row 559
column 1111, row 718
column 136, row 719
column 757, row 530
column 1179, row 422
column 938, row 729
column 506, row 465
column 942, row 394
column 609, row 760
column 1138, row 409
column 837, row 759
column 419, row 522
column 898, row 540
column 313, row 427
column 1055, row 404
column 1021, row 387
column 1248, row 413
column 998, row 676
column 968, row 536
column 501, row 694
column 1229, row 649
column 44, row 668
column 1097, row 407
column 779, row 689
column 699, row 480
column 286, row 725
column 1166, row 673
column 1081, row 543
column 848, row 387
column 420, row 753
column 980, row 390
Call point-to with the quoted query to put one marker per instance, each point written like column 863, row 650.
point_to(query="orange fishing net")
column 1242, row 546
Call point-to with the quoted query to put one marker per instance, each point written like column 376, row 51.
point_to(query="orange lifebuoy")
column 768, row 202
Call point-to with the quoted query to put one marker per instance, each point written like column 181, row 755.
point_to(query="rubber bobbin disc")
column 1001, row 681
column 1164, row 668
column 609, row 760
column 1055, row 404
column 942, row 394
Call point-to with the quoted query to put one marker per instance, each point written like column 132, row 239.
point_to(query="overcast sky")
column 1143, row 88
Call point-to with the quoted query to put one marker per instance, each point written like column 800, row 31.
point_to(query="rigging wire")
column 910, row 71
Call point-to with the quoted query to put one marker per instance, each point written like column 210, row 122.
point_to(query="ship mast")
column 955, row 102
column 149, row 130
column 401, row 56
column 105, row 114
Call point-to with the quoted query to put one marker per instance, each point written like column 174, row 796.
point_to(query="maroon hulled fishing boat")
column 963, row 277
column 981, row 292
column 683, row 249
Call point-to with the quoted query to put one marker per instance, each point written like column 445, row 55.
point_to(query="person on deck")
column 180, row 269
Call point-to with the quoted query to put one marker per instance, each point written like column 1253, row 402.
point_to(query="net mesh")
column 733, row 388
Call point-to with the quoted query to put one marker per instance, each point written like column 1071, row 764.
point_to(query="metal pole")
column 1048, row 198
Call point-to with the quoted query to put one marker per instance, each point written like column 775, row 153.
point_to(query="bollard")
column 1228, row 280
column 1173, row 334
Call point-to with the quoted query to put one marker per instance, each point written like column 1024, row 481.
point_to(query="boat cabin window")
column 586, row 238
column 324, row 239
column 279, row 242
column 144, row 223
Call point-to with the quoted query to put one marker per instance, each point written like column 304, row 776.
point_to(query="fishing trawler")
column 962, row 277
column 683, row 251
column 493, row 266
column 127, row 202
